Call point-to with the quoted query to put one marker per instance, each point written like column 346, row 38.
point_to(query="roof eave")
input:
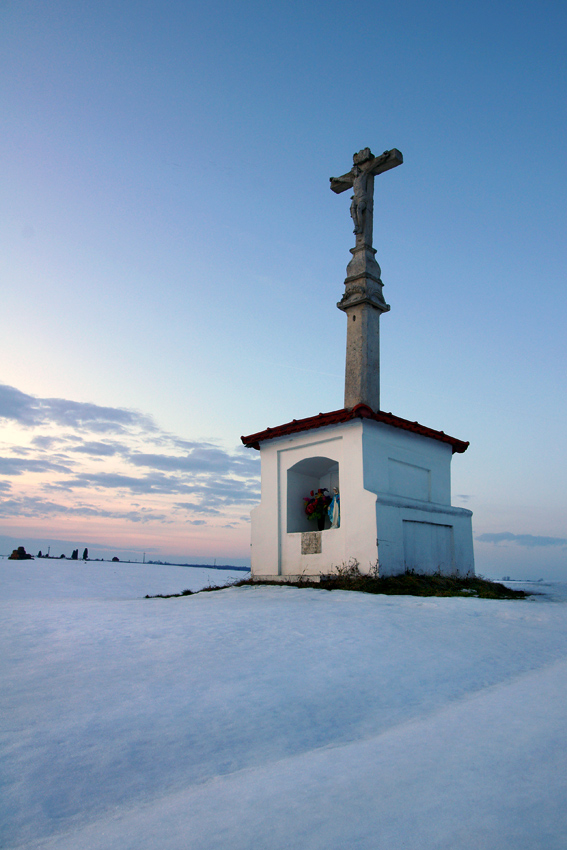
column 338, row 417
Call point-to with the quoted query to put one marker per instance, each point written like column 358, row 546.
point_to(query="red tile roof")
column 360, row 411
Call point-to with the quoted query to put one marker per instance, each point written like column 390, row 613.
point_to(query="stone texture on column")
column 363, row 303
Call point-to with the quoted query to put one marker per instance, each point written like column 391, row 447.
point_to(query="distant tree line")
column 20, row 554
column 74, row 555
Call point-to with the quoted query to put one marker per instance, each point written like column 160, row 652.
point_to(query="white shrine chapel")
column 358, row 483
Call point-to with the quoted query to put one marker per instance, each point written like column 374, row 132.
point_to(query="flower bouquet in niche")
column 316, row 506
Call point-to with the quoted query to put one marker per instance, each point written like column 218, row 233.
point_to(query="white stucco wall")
column 395, row 489
column 416, row 524
column 406, row 464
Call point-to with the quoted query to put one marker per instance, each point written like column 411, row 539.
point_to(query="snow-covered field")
column 256, row 718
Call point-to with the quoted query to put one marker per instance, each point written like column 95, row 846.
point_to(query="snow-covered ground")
column 256, row 718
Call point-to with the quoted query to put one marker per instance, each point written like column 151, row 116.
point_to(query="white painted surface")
column 428, row 546
column 395, row 489
column 406, row 479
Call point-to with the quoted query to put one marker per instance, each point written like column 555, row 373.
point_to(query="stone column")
column 363, row 303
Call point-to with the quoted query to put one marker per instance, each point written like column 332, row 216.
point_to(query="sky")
column 171, row 258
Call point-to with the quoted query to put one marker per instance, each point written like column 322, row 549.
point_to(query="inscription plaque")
column 310, row 542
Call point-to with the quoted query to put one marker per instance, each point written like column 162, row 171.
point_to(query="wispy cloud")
column 43, row 442
column 31, row 411
column 17, row 466
column 197, row 460
column 75, row 459
column 201, row 459
column 42, row 508
column 210, row 494
column 529, row 540
column 95, row 449
column 193, row 508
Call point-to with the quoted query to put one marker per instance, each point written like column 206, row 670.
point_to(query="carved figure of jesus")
column 362, row 200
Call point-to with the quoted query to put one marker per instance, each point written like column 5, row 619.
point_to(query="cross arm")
column 341, row 184
column 387, row 160
column 370, row 164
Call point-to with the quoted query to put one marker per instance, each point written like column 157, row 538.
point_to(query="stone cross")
column 361, row 180
column 363, row 301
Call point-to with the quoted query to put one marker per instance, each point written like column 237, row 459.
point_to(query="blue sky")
column 169, row 246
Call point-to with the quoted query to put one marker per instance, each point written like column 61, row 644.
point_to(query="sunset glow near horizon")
column 172, row 257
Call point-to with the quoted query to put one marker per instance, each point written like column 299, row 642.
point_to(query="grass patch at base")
column 410, row 583
column 170, row 595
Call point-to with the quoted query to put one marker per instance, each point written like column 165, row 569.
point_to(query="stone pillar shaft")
column 362, row 373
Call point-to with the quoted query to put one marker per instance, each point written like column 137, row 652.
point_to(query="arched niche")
column 306, row 475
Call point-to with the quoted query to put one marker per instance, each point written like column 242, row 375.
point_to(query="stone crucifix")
column 363, row 301
column 361, row 180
